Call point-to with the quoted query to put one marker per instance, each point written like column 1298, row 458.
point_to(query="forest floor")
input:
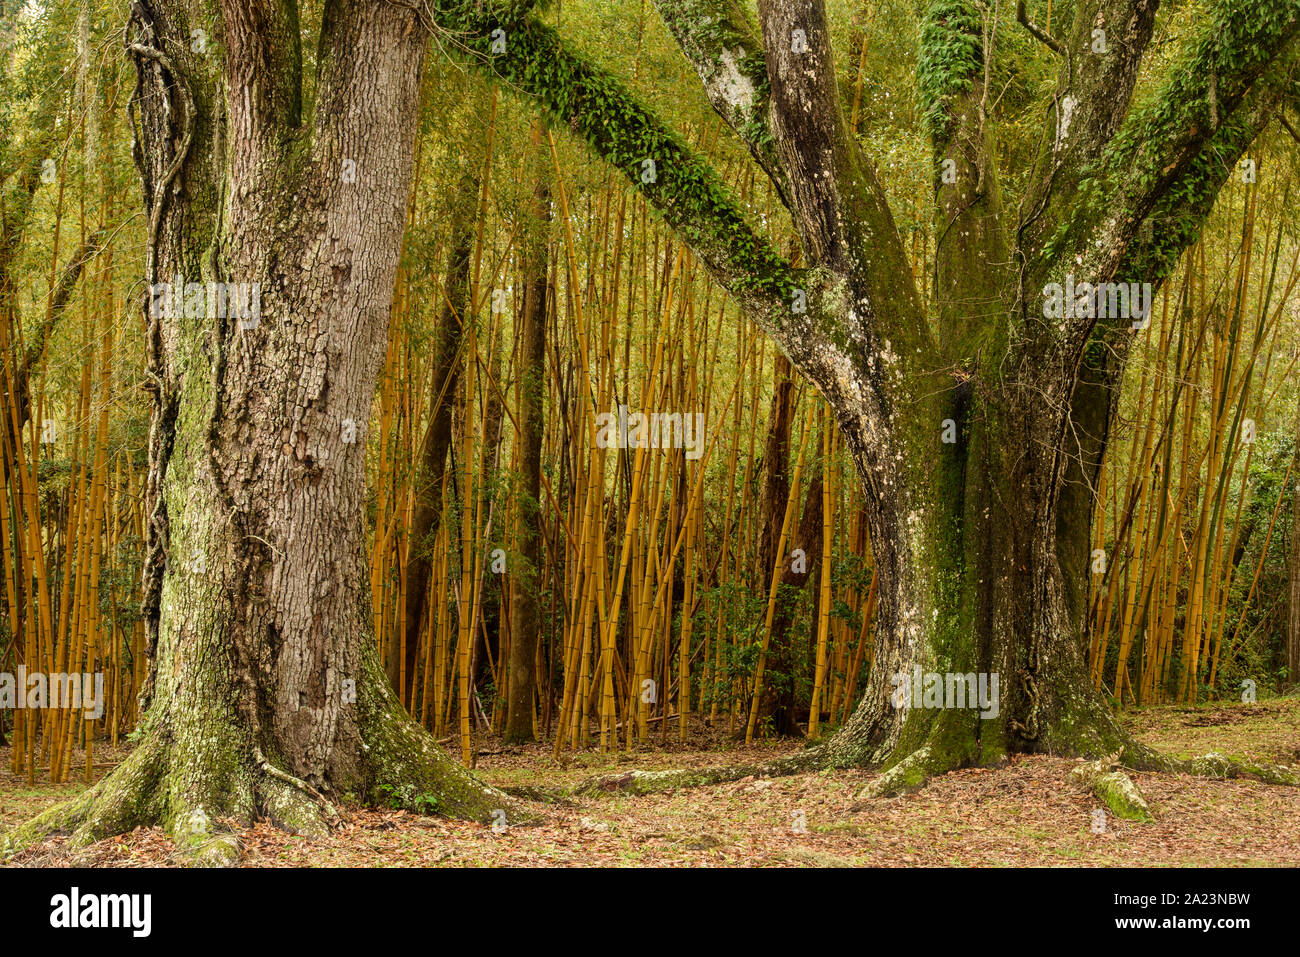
column 1023, row 814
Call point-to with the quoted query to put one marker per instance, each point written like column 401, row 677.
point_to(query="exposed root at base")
column 526, row 792
column 152, row 788
column 909, row 774
column 1215, row 765
column 937, row 756
column 1211, row 765
column 1113, row 788
column 653, row 782
column 289, row 807
column 123, row 800
column 407, row 769
column 293, row 810
column 215, row 849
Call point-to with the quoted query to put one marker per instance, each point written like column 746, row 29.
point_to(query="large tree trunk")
column 969, row 536
column 965, row 540
column 267, row 692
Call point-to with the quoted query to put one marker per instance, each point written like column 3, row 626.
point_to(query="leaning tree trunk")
column 267, row 693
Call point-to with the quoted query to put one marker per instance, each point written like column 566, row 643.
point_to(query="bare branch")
column 1022, row 17
column 721, row 40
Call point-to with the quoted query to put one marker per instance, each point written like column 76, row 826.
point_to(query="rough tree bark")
column 254, row 487
column 267, row 695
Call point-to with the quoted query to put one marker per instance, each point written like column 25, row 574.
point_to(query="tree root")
column 528, row 792
column 652, row 782
column 939, row 753
column 1215, row 765
column 215, row 847
column 1113, row 788
column 294, row 810
column 287, row 808
column 121, row 801
column 1211, row 765
column 1118, row 792
column 195, row 797
column 909, row 774
column 408, row 770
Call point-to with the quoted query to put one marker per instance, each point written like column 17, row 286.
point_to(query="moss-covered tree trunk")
column 267, row 695
column 971, row 585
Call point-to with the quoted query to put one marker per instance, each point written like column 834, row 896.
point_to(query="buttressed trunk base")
column 266, row 695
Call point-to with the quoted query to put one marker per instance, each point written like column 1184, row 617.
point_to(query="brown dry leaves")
column 1024, row 814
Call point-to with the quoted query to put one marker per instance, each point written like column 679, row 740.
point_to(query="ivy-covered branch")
column 529, row 56
column 971, row 257
column 1163, row 152
column 1176, row 221
column 1173, row 226
column 1162, row 140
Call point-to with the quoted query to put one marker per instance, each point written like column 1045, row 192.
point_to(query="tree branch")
column 1162, row 154
column 840, row 210
column 1037, row 32
column 722, row 41
column 972, row 264
column 787, row 302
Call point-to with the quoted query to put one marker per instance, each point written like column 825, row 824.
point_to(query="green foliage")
column 1261, row 638
column 1161, row 141
column 596, row 106
column 407, row 798
column 951, row 56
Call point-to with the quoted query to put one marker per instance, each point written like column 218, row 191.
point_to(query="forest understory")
column 416, row 418
column 1026, row 813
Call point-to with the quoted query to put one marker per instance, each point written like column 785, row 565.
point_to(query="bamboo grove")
column 529, row 576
